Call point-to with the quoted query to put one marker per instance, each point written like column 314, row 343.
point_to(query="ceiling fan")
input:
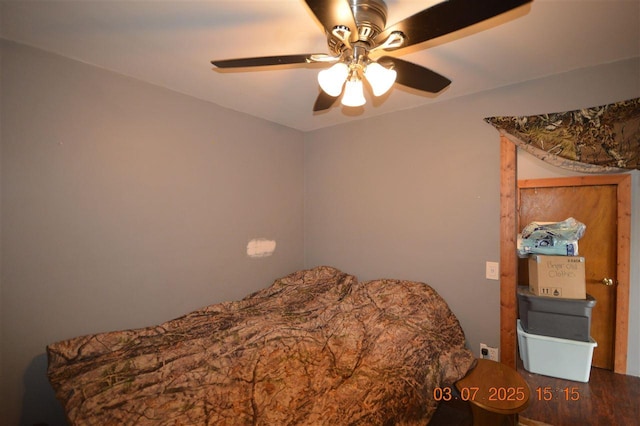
column 357, row 33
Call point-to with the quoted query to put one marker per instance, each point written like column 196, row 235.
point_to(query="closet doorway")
column 584, row 198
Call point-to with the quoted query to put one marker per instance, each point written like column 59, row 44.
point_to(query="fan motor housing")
column 370, row 17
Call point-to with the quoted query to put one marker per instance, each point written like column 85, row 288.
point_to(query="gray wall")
column 125, row 205
column 415, row 195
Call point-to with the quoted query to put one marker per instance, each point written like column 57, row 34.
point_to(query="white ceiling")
column 170, row 43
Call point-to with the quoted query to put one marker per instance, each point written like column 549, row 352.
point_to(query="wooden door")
column 596, row 207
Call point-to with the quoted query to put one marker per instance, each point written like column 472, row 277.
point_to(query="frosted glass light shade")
column 380, row 78
column 353, row 94
column 332, row 79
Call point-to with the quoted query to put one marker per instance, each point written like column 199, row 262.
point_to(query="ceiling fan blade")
column 416, row 76
column 263, row 61
column 323, row 101
column 446, row 17
column 331, row 13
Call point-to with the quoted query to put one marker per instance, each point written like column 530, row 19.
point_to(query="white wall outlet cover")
column 488, row 352
column 493, row 271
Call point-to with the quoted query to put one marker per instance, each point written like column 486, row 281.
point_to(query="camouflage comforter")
column 317, row 347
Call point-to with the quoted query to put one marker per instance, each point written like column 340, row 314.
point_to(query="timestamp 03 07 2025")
column 469, row 393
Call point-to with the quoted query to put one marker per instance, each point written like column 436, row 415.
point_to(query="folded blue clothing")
column 568, row 230
column 548, row 246
column 551, row 238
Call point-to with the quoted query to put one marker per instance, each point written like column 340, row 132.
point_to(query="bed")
column 316, row 347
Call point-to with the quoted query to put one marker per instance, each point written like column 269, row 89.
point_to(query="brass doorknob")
column 608, row 281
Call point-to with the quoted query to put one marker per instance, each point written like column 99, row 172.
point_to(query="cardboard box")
column 557, row 276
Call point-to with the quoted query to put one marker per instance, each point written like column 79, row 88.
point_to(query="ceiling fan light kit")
column 341, row 75
column 357, row 33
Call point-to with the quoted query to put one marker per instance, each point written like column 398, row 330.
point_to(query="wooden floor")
column 608, row 399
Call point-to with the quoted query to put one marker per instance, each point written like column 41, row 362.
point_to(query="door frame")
column 509, row 261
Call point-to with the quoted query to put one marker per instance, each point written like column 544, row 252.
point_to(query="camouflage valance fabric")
column 317, row 347
column 599, row 139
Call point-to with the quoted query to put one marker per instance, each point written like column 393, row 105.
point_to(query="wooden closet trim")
column 508, row 257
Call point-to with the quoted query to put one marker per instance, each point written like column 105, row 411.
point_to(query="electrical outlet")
column 487, row 352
